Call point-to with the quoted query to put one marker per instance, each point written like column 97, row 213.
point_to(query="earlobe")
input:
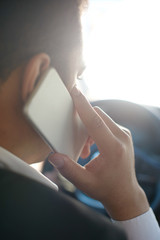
column 33, row 70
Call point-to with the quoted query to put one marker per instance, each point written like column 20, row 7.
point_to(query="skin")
column 109, row 178
column 16, row 134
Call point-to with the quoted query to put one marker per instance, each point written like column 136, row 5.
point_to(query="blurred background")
column 122, row 50
column 122, row 76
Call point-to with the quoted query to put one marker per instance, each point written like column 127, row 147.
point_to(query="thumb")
column 71, row 170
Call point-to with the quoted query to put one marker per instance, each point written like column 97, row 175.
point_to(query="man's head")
column 34, row 35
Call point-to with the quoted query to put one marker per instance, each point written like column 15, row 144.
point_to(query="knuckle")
column 97, row 109
column 96, row 121
column 120, row 149
column 127, row 137
column 128, row 131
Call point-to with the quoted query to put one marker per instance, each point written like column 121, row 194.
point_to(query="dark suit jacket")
column 30, row 210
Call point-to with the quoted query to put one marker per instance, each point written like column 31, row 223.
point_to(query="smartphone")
column 51, row 112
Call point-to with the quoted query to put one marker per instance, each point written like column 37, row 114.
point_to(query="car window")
column 122, row 50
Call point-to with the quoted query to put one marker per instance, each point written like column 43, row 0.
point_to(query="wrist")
column 128, row 207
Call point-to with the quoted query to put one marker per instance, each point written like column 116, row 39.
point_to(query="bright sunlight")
column 122, row 50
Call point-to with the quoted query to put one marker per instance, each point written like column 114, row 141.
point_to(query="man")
column 36, row 35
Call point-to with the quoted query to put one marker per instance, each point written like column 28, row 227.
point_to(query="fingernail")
column 76, row 91
column 56, row 160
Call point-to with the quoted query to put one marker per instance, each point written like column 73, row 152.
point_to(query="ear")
column 33, row 70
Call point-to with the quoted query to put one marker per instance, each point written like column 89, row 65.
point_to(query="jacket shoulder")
column 30, row 210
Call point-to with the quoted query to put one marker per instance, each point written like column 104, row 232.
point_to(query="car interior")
column 122, row 78
column 144, row 124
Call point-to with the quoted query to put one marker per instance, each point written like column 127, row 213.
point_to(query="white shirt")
column 143, row 227
column 14, row 164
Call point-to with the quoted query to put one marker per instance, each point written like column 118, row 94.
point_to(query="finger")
column 95, row 125
column 72, row 171
column 124, row 129
column 91, row 141
column 116, row 129
column 86, row 149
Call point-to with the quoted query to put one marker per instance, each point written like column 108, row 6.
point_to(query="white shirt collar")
column 15, row 164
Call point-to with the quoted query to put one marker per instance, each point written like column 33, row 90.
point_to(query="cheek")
column 68, row 74
column 69, row 80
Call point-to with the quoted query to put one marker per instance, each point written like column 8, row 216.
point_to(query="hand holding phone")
column 110, row 175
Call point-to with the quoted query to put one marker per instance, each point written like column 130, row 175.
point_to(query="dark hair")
column 28, row 27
